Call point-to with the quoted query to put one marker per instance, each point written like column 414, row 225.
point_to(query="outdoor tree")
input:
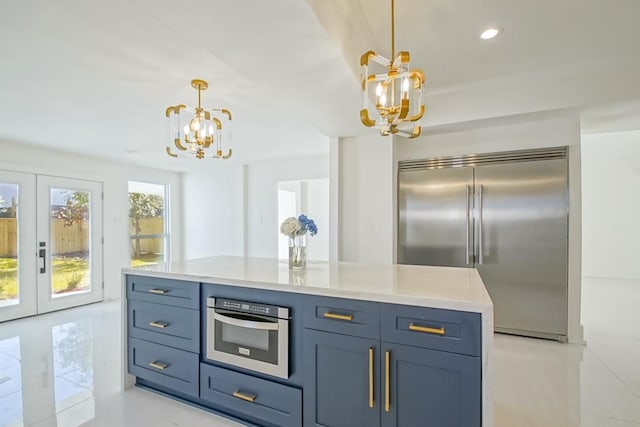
column 76, row 208
column 143, row 205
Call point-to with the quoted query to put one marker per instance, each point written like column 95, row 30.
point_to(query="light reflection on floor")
column 64, row 369
column 66, row 347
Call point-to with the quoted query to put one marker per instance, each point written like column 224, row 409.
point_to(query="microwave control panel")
column 247, row 307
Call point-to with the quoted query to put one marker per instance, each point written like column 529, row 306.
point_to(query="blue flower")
column 307, row 225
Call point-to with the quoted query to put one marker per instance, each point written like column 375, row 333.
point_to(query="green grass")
column 70, row 274
column 147, row 259
column 8, row 278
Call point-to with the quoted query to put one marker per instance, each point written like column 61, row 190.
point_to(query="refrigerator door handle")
column 468, row 225
column 480, row 239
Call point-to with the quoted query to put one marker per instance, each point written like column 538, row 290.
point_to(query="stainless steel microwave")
column 249, row 335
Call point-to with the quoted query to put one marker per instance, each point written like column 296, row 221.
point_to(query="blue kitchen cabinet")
column 342, row 380
column 424, row 387
column 385, row 365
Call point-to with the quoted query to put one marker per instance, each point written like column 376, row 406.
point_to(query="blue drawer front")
column 164, row 291
column 324, row 314
column 180, row 371
column 445, row 330
column 274, row 404
column 172, row 326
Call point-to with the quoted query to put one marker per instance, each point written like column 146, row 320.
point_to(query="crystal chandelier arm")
column 170, row 153
column 227, row 112
column 228, row 154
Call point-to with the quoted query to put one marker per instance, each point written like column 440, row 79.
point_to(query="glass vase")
column 298, row 252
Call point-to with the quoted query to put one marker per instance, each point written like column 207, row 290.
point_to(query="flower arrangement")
column 292, row 227
column 296, row 229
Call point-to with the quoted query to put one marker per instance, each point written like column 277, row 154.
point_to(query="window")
column 148, row 224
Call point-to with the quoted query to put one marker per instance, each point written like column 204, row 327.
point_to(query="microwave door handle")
column 265, row 326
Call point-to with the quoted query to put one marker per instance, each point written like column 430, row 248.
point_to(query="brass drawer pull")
column 437, row 331
column 158, row 291
column 159, row 365
column 387, row 384
column 248, row 397
column 347, row 317
column 370, row 377
column 158, row 324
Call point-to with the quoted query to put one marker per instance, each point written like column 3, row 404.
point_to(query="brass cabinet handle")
column 370, row 377
column 159, row 365
column 158, row 291
column 437, row 331
column 248, row 397
column 348, row 317
column 159, row 324
column 387, row 379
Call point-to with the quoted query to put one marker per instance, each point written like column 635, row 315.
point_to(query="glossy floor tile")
column 543, row 383
column 63, row 369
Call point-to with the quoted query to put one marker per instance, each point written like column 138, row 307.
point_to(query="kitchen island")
column 366, row 344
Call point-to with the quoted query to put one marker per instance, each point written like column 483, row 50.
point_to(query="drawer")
column 165, row 366
column 173, row 326
column 265, row 402
column 164, row 291
column 438, row 329
column 343, row 316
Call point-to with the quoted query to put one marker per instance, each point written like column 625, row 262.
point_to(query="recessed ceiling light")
column 489, row 33
column 133, row 151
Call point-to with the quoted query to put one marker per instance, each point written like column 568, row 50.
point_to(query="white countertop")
column 438, row 287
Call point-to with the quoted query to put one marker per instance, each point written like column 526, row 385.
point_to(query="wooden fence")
column 75, row 238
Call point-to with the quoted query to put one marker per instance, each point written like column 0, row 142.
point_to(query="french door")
column 50, row 243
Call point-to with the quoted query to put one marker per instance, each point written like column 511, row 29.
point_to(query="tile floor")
column 63, row 369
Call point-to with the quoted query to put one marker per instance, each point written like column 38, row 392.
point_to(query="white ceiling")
column 95, row 77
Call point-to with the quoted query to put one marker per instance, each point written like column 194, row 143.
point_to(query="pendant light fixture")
column 392, row 101
column 199, row 132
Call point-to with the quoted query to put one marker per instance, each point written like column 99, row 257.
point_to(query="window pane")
column 147, row 226
column 70, row 238
column 9, row 290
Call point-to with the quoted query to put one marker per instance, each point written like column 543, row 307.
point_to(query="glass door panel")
column 17, row 249
column 69, row 243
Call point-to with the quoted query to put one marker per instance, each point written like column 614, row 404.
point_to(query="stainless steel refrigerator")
column 505, row 214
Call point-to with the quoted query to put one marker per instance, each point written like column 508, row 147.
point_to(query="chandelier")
column 397, row 92
column 199, row 132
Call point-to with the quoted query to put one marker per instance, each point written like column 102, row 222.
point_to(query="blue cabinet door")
column 429, row 388
column 341, row 380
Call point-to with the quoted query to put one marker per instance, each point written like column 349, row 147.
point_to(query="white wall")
column 366, row 202
column 611, row 207
column 368, row 169
column 213, row 211
column 262, row 199
column 115, row 177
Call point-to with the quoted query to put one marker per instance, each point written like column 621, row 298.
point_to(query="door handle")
column 370, row 377
column 480, row 239
column 387, row 379
column 42, row 253
column 466, row 261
